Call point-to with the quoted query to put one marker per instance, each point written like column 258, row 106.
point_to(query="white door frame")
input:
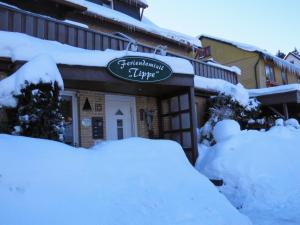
column 131, row 99
column 74, row 115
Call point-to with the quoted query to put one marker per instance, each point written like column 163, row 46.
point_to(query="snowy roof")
column 40, row 69
column 237, row 92
column 18, row 46
column 129, row 21
column 293, row 54
column 274, row 90
column 283, row 64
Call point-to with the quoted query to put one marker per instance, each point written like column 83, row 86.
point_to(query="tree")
column 38, row 112
column 280, row 54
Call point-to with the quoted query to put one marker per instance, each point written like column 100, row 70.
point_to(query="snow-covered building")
column 123, row 76
column 260, row 70
column 293, row 57
column 259, row 67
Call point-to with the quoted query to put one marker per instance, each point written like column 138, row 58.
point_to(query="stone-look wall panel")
column 85, row 133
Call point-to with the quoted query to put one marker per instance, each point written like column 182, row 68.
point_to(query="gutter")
column 255, row 71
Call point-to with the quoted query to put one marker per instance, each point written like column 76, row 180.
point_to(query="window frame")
column 272, row 77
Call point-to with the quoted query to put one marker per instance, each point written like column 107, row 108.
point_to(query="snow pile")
column 274, row 90
column 99, row 10
column 226, row 129
column 134, row 181
column 292, row 122
column 267, row 55
column 260, row 171
column 237, row 92
column 40, row 69
column 19, row 46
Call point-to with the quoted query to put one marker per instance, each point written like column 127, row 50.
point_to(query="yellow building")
column 259, row 68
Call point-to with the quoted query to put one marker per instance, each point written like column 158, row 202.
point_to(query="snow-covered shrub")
column 31, row 95
column 38, row 112
column 223, row 107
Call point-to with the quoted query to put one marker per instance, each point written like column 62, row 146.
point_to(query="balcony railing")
column 16, row 20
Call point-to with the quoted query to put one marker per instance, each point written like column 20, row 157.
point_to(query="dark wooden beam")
column 193, row 123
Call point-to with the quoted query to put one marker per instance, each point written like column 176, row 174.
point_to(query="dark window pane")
column 185, row 120
column 165, row 106
column 184, row 102
column 166, row 123
column 120, row 130
column 175, row 122
column 174, row 104
column 187, row 140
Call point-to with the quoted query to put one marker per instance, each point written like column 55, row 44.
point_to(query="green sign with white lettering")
column 139, row 69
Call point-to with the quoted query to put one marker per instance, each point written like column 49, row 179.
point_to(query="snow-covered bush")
column 223, row 107
column 32, row 96
column 38, row 112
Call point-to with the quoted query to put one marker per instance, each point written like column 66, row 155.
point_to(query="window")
column 284, row 77
column 270, row 75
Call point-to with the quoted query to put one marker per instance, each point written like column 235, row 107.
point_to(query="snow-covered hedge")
column 129, row 182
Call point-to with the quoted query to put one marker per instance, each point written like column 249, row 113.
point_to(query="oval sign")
column 139, row 69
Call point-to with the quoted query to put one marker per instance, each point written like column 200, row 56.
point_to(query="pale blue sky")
column 269, row 24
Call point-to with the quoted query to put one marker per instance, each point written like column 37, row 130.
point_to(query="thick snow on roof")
column 129, row 182
column 267, row 55
column 274, row 90
column 237, row 92
column 40, row 69
column 132, row 22
column 19, row 46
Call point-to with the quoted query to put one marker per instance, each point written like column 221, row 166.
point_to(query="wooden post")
column 193, row 120
column 285, row 111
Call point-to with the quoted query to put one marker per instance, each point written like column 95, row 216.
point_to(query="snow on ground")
column 284, row 64
column 129, row 21
column 40, row 69
column 260, row 170
column 134, row 181
column 19, row 46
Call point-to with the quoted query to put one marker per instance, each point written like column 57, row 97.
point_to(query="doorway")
column 120, row 117
column 70, row 114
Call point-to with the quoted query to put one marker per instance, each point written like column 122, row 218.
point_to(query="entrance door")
column 70, row 114
column 120, row 117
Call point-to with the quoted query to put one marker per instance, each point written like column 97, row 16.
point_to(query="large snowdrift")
column 261, row 172
column 134, row 181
